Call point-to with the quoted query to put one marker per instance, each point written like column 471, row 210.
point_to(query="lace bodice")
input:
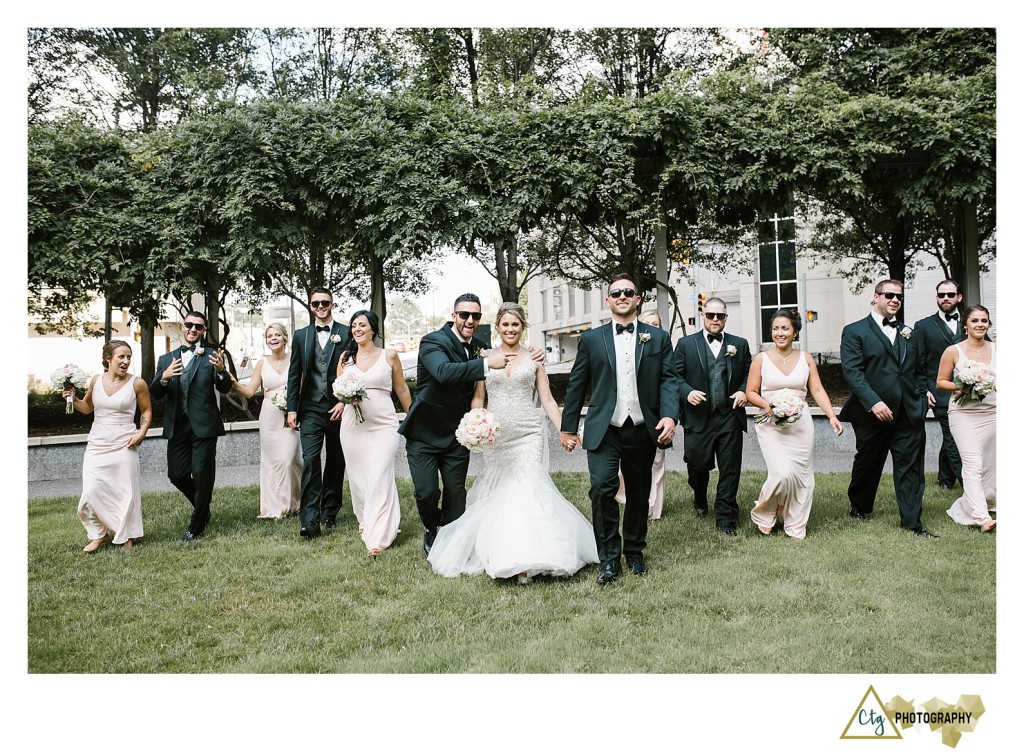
column 511, row 400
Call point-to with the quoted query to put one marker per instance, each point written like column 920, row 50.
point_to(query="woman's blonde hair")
column 509, row 307
column 279, row 328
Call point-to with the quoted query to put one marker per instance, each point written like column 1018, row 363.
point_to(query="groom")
column 626, row 366
column 315, row 412
column 886, row 406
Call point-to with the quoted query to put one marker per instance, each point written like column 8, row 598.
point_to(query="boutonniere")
column 730, row 351
column 905, row 333
column 199, row 349
column 645, row 337
column 335, row 339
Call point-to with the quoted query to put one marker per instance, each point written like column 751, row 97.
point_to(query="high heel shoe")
column 95, row 544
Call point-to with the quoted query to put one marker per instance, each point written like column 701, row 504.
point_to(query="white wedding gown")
column 516, row 520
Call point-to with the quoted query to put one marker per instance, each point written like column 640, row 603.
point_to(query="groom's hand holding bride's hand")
column 569, row 441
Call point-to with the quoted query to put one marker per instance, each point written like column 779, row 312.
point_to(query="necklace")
column 365, row 356
column 980, row 350
column 509, row 353
column 784, row 359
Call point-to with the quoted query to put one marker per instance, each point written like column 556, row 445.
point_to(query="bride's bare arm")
column 478, row 395
column 547, row 400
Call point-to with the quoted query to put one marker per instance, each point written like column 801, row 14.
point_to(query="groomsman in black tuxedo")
column 626, row 367
column 192, row 422
column 451, row 361
column 887, row 406
column 937, row 332
column 713, row 367
column 315, row 412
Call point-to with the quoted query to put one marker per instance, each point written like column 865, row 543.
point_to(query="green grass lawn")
column 254, row 597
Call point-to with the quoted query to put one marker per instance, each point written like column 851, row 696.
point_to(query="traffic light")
column 812, row 316
column 700, row 303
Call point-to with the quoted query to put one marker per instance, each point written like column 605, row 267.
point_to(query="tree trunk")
column 899, row 240
column 147, row 337
column 378, row 304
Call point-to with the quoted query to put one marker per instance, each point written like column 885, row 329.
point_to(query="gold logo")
column 871, row 720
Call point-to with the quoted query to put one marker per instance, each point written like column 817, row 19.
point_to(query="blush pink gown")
column 111, row 479
column 973, row 424
column 369, row 449
column 787, row 451
column 280, row 456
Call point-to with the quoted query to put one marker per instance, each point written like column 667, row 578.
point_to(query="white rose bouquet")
column 478, row 430
column 350, row 388
column 975, row 380
column 279, row 399
column 785, row 408
column 68, row 377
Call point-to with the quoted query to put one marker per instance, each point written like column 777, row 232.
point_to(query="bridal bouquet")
column 279, row 399
column 784, row 409
column 67, row 377
column 478, row 430
column 975, row 379
column 350, row 388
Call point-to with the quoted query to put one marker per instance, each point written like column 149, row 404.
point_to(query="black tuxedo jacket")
column 935, row 336
column 303, row 358
column 692, row 363
column 875, row 370
column 445, row 380
column 594, row 370
column 202, row 379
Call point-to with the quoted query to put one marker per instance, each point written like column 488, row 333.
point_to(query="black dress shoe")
column 636, row 565
column 329, row 526
column 857, row 515
column 309, row 532
column 944, row 486
column 702, row 512
column 727, row 530
column 609, row 572
column 189, row 536
column 428, row 541
column 926, row 533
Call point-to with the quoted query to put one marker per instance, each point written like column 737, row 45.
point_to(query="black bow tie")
column 620, row 328
column 951, row 317
column 890, row 323
column 190, row 349
column 323, row 329
column 712, row 338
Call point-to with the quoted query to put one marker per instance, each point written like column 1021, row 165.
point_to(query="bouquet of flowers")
column 784, row 409
column 350, row 388
column 478, row 430
column 68, row 377
column 279, row 399
column 975, row 380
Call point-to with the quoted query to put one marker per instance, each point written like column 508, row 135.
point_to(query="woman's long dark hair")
column 351, row 348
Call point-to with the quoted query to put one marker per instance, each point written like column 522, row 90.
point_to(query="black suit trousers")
column 874, row 442
column 192, row 468
column 321, row 491
column 426, row 462
column 721, row 440
column 630, row 449
column 950, row 466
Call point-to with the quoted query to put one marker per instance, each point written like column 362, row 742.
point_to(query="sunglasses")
column 715, row 315
column 319, row 304
column 627, row 292
column 890, row 296
column 193, row 325
column 946, row 295
column 464, row 315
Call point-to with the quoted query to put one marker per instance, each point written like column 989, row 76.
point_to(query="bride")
column 517, row 524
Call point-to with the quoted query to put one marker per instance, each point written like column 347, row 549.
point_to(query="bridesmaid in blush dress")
column 788, row 491
column 973, row 423
column 370, row 445
column 111, row 479
column 280, row 457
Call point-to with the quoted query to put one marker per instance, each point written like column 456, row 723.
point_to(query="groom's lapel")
column 609, row 346
column 901, row 343
column 638, row 351
column 889, row 347
column 310, row 347
column 724, row 353
column 458, row 347
column 698, row 344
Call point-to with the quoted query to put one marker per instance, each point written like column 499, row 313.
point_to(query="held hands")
column 881, row 411
column 696, row 397
column 293, row 421
column 569, row 441
column 739, row 399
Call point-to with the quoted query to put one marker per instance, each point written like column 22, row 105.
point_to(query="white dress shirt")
column 889, row 332
column 627, row 400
